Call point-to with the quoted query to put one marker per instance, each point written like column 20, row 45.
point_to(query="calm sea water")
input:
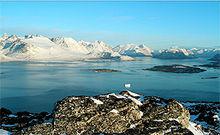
column 36, row 86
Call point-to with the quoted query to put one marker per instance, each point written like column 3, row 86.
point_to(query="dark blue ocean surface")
column 36, row 86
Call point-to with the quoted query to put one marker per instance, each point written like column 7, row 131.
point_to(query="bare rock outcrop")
column 126, row 113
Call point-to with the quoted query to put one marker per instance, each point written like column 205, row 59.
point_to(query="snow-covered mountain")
column 32, row 47
column 183, row 53
column 173, row 53
column 13, row 46
column 99, row 49
column 96, row 47
column 205, row 53
column 71, row 44
column 37, row 47
column 133, row 50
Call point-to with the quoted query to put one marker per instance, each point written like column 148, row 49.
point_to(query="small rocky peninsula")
column 126, row 113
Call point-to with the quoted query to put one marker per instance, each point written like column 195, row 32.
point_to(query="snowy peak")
column 71, row 44
column 205, row 53
column 39, row 41
column 96, row 47
column 12, row 38
column 4, row 37
column 142, row 46
column 102, row 50
column 32, row 36
column 173, row 53
column 66, row 41
column 179, row 50
column 37, row 47
column 183, row 53
column 133, row 50
column 100, row 42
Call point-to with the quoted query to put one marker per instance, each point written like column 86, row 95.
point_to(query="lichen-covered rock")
column 124, row 114
column 40, row 129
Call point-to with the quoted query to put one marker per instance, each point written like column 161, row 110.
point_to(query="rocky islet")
column 176, row 68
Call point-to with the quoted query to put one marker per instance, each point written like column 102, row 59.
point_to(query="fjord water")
column 36, row 86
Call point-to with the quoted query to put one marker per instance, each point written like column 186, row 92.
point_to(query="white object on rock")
column 98, row 102
column 133, row 94
column 114, row 111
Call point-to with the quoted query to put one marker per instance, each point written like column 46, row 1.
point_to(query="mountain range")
column 38, row 47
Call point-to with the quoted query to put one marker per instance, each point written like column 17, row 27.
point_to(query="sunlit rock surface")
column 125, row 113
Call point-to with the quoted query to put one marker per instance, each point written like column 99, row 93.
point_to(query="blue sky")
column 157, row 24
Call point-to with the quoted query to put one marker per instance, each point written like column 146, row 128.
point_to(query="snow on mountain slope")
column 5, row 58
column 99, row 49
column 133, row 50
column 96, row 47
column 39, row 41
column 71, row 44
column 15, row 47
column 4, row 37
column 173, row 53
column 37, row 47
column 205, row 53
column 14, row 52
column 182, row 53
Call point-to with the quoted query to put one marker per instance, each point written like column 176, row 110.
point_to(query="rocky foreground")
column 126, row 113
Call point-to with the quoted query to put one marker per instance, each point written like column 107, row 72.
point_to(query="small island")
column 211, row 77
column 176, row 68
column 105, row 70
column 215, row 64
